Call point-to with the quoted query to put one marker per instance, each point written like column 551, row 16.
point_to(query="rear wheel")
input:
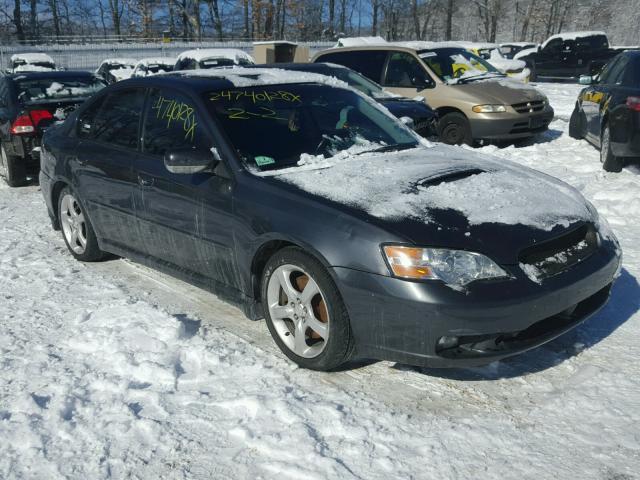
column 577, row 123
column 305, row 312
column 13, row 169
column 454, row 129
column 610, row 162
column 76, row 228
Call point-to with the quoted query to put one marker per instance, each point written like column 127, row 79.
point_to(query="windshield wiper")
column 392, row 147
column 480, row 76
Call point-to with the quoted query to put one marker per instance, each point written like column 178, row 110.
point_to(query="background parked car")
column 471, row 97
column 509, row 50
column 32, row 62
column 212, row 58
column 113, row 70
column 424, row 118
column 516, row 69
column 568, row 55
column 29, row 103
column 151, row 66
column 607, row 112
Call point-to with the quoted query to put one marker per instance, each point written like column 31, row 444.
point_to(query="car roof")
column 49, row 74
column 237, row 77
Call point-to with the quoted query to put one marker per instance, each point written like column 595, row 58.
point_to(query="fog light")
column 447, row 342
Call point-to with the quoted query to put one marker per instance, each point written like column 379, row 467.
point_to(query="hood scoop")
column 447, row 176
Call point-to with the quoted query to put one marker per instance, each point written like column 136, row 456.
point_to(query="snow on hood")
column 525, row 52
column 412, row 183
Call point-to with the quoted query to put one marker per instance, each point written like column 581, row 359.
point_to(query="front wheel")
column 610, row 163
column 77, row 230
column 454, row 129
column 304, row 311
column 13, row 169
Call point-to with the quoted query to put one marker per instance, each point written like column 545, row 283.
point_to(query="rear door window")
column 632, row 73
column 367, row 62
column 118, row 120
column 173, row 122
column 616, row 73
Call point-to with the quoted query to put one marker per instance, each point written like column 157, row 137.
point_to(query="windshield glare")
column 272, row 127
column 454, row 64
column 356, row 81
column 48, row 89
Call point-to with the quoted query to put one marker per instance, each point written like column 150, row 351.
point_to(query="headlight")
column 454, row 267
column 489, row 108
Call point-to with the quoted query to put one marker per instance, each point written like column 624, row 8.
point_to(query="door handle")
column 145, row 181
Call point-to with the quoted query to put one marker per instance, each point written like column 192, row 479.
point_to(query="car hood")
column 405, row 107
column 503, row 91
column 445, row 196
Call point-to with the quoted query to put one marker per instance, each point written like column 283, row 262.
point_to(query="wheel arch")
column 268, row 249
column 56, row 189
column 442, row 111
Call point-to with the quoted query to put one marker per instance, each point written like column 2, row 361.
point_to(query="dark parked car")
column 568, row 55
column 424, row 119
column 29, row 103
column 307, row 204
column 607, row 112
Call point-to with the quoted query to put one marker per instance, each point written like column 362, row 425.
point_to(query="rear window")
column 367, row 62
column 56, row 89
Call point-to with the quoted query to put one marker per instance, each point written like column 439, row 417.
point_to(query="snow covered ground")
column 112, row 370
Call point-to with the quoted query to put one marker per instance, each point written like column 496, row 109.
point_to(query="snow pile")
column 401, row 184
column 360, row 41
column 110, row 370
column 504, row 64
column 157, row 61
column 31, row 58
column 253, row 77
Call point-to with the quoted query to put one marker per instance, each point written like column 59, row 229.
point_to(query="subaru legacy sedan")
column 304, row 202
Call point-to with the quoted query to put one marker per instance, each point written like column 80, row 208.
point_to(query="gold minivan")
column 473, row 99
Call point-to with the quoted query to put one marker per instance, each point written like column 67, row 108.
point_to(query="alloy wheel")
column 298, row 311
column 73, row 224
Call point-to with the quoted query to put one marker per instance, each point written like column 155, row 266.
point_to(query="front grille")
column 554, row 256
column 529, row 107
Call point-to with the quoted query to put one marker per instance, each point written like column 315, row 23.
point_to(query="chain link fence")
column 87, row 56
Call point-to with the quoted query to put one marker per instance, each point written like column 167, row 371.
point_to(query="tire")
column 76, row 228
column 13, row 169
column 454, row 129
column 326, row 342
column 610, row 163
column 577, row 124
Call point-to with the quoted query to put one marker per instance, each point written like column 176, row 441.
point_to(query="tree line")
column 305, row 20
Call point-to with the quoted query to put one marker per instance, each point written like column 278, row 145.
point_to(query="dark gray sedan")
column 302, row 201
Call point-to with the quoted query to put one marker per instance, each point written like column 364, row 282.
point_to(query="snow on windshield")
column 396, row 185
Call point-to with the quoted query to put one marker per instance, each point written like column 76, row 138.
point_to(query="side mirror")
column 421, row 83
column 586, row 80
column 189, row 161
column 408, row 122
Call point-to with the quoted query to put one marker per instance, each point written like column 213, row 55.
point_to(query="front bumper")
column 510, row 125
column 402, row 321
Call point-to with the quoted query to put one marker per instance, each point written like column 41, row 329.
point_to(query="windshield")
column 118, row 66
column 157, row 68
column 355, row 80
column 55, row 89
column 272, row 127
column 456, row 65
